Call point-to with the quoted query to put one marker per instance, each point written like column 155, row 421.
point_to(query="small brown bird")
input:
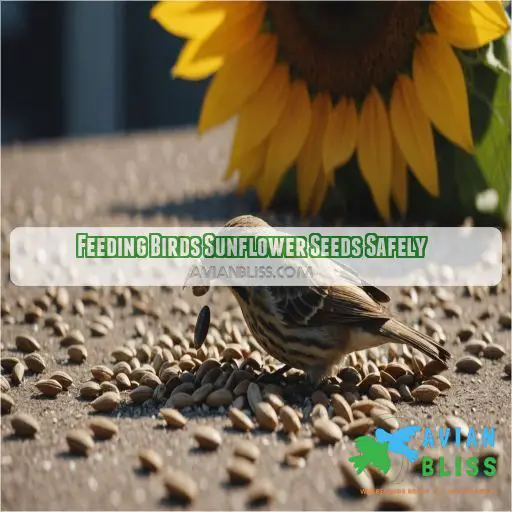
column 313, row 328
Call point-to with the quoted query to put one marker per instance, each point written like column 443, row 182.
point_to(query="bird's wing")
column 404, row 434
column 320, row 306
column 365, row 444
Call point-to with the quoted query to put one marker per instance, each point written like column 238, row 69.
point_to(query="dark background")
column 81, row 68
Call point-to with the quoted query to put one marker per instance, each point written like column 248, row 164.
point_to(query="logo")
column 375, row 451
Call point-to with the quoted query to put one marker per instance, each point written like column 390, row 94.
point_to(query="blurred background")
column 82, row 68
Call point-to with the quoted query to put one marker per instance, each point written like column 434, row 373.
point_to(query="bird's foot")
column 273, row 377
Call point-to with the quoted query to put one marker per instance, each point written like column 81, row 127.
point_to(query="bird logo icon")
column 375, row 451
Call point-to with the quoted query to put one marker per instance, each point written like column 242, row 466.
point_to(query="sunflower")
column 315, row 83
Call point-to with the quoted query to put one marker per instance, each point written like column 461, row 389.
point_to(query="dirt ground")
column 169, row 179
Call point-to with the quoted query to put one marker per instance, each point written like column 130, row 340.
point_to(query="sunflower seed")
column 7, row 403
column 299, row 448
column 247, row 450
column 405, row 393
column 27, row 343
column 4, row 384
column 355, row 482
column 98, row 329
column 386, row 404
column 180, row 401
column 475, row 347
column 363, row 405
column 180, row 486
column 240, row 420
column 219, row 398
column 49, row 387
column 266, row 416
column 173, row 418
column 440, row 382
column 74, row 337
column 90, row 389
column 102, row 373
column 493, row 351
column 454, row 422
column 358, row 427
column 77, row 354
column 241, row 471
column 262, row 491
column 150, row 460
column 468, row 364
column 433, row 367
column 140, row 394
column 207, row 438
column 506, row 369
column 378, row 391
column 202, row 326
column 9, row 362
column 151, row 380
column 35, row 363
column 254, row 396
column 24, row 425
column 350, row 375
column 505, row 320
column 107, row 402
column 107, row 386
column 290, row 419
column 63, row 378
column 384, row 419
column 327, row 431
column 452, row 310
column 33, row 314
column 18, row 373
column 79, row 442
column 103, row 428
column 425, row 393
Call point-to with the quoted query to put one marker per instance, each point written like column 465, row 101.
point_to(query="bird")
column 313, row 328
column 396, row 441
column 371, row 452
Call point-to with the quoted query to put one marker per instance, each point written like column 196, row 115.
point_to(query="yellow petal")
column 413, row 133
column 469, row 24
column 340, row 135
column 188, row 21
column 440, row 85
column 286, row 140
column 241, row 76
column 309, row 161
column 261, row 113
column 374, row 150
column 250, row 166
column 202, row 57
column 319, row 191
column 399, row 180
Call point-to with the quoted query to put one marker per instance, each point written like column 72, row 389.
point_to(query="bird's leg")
column 275, row 376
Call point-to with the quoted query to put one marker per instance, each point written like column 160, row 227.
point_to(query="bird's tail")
column 397, row 331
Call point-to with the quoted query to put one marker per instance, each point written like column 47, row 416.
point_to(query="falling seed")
column 107, row 402
column 7, row 403
column 173, row 418
column 247, row 450
column 150, row 460
column 290, row 419
column 180, row 486
column 468, row 364
column 208, row 438
column 241, row 471
column 77, row 354
column 27, row 343
column 103, row 428
column 240, row 420
column 79, row 442
column 35, row 363
column 202, row 326
column 425, row 393
column 24, row 425
column 49, row 387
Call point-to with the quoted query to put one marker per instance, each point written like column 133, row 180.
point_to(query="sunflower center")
column 346, row 47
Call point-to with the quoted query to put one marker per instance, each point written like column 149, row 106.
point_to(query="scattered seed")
column 180, row 401
column 254, row 396
column 240, row 420
column 454, row 422
column 327, row 431
column 386, row 404
column 262, row 491
column 475, row 347
column 405, row 393
column 294, row 462
column 24, row 425
column 266, row 416
column 290, row 419
column 7, row 403
column 355, row 482
column 27, row 343
column 18, row 373
column 33, row 314
column 506, row 369
column 363, row 405
column 173, row 418
column 141, row 393
column 77, row 354
column 468, row 364
column 150, row 460
column 219, row 398
column 103, row 428
column 108, row 386
column 208, row 438
column 35, row 363
column 378, row 391
column 79, row 442
column 350, row 375
column 247, row 450
column 383, row 418
column 358, row 427
column 425, row 393
column 440, row 382
column 299, row 448
column 4, row 384
column 493, row 351
column 107, row 402
column 433, row 368
column 466, row 332
column 49, row 387
column 63, row 378
column 90, row 389
column 180, row 486
column 241, row 471
column 452, row 310
column 102, row 373
column 505, row 320
column 74, row 337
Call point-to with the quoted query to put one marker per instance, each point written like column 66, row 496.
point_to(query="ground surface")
column 163, row 179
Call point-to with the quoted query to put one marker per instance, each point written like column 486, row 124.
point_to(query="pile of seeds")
column 192, row 367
